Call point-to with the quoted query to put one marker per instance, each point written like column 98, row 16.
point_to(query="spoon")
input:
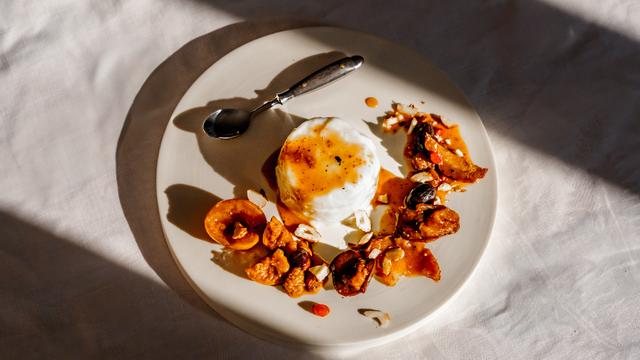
column 231, row 123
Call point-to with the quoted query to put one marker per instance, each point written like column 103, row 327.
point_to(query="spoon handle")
column 322, row 77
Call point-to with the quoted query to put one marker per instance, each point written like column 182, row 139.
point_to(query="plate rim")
column 249, row 326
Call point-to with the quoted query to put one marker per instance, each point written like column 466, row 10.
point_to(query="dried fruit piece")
column 439, row 222
column 276, row 234
column 311, row 283
column 300, row 258
column 270, row 270
column 321, row 310
column 227, row 216
column 351, row 273
column 294, row 283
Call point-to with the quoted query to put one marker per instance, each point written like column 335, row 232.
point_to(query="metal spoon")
column 230, row 123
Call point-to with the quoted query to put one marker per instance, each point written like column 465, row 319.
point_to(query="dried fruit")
column 300, row 259
column 294, row 283
column 321, row 310
column 270, row 270
column 226, row 216
column 421, row 194
column 276, row 234
column 351, row 273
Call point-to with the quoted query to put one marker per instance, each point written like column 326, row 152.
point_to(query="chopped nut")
column 412, row 126
column 374, row 253
column 320, row 271
column 444, row 187
column 382, row 318
column 307, row 232
column 437, row 201
column 421, row 177
column 239, row 231
column 395, row 254
column 362, row 220
column 383, row 198
column 365, row 238
column 459, row 152
column 256, row 198
column 294, row 283
column 447, row 141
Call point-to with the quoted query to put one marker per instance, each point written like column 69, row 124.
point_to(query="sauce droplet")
column 371, row 102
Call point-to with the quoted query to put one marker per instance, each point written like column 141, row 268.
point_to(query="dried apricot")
column 235, row 223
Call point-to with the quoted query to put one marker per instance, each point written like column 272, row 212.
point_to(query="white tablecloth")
column 86, row 88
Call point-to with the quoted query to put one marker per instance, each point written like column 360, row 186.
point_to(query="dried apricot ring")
column 235, row 223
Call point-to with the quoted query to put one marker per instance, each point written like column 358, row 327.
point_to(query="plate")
column 194, row 172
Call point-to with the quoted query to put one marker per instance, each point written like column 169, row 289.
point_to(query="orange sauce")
column 290, row 219
column 322, row 162
column 371, row 102
column 395, row 187
column 418, row 260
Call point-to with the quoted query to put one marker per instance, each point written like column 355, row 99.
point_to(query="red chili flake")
column 435, row 158
column 321, row 310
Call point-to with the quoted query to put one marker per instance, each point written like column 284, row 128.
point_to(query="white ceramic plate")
column 193, row 171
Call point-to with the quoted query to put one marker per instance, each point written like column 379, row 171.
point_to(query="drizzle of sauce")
column 418, row 260
column 371, row 102
column 290, row 219
column 396, row 188
column 321, row 162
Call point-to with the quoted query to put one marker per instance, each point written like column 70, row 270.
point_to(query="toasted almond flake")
column 395, row 254
column 365, row 238
column 444, row 187
column 362, row 220
column 437, row 201
column 320, row 271
column 390, row 121
column 383, row 198
column 307, row 232
column 413, row 124
column 447, row 141
column 438, row 137
column 256, row 198
column 421, row 177
column 459, row 152
column 374, row 253
column 382, row 318
column 386, row 265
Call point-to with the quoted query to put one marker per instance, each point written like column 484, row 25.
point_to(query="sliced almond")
column 394, row 254
column 320, row 271
column 374, row 253
column 382, row 318
column 421, row 177
column 386, row 265
column 444, row 187
column 459, row 152
column 383, row 198
column 256, row 198
column 362, row 220
column 412, row 126
column 307, row 232
column 365, row 238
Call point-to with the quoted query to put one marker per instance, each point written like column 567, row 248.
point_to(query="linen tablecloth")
column 86, row 88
